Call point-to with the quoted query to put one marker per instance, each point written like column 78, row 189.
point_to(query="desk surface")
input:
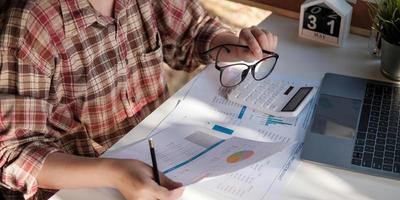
column 306, row 60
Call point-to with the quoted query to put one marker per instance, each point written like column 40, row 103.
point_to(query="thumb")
column 168, row 183
column 175, row 187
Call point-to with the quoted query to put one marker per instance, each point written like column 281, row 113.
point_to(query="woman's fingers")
column 136, row 182
column 272, row 41
column 256, row 39
column 160, row 192
column 176, row 189
column 275, row 42
column 262, row 38
column 177, row 193
column 247, row 38
column 168, row 183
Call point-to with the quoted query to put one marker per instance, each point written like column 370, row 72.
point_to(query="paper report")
column 254, row 161
column 188, row 154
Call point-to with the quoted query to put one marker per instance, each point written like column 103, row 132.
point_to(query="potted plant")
column 387, row 22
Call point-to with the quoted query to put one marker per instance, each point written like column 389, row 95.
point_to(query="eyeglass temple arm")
column 228, row 51
column 235, row 45
column 217, row 47
column 263, row 50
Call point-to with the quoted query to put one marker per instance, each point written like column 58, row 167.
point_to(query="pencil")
column 154, row 161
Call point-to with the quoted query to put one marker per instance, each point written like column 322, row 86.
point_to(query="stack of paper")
column 236, row 152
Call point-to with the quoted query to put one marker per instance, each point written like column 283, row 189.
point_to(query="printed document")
column 206, row 104
column 188, row 154
column 193, row 133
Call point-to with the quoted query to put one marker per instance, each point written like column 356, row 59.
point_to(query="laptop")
column 355, row 126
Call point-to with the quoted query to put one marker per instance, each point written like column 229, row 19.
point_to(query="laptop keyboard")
column 378, row 141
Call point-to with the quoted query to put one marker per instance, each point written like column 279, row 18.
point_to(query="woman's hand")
column 134, row 179
column 255, row 38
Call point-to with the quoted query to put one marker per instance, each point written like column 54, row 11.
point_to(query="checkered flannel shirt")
column 74, row 81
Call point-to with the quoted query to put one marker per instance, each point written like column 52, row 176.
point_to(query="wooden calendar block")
column 326, row 21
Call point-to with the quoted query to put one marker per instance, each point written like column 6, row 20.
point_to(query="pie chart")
column 239, row 156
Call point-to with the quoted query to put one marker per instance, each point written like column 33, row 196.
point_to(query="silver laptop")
column 355, row 126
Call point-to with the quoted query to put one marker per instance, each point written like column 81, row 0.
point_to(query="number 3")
column 312, row 24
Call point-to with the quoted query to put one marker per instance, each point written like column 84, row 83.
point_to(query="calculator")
column 281, row 98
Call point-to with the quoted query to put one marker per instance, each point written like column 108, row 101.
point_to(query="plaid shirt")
column 74, row 81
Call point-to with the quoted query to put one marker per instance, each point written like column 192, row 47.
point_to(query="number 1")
column 332, row 26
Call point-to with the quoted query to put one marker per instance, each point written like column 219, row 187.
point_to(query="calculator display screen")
column 297, row 99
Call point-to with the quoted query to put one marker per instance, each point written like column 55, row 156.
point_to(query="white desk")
column 308, row 60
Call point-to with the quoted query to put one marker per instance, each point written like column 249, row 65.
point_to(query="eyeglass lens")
column 233, row 73
column 264, row 68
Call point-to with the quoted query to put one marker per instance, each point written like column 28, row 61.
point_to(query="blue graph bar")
column 275, row 120
column 242, row 111
column 222, row 129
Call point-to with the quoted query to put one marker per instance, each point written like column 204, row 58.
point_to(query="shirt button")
column 126, row 60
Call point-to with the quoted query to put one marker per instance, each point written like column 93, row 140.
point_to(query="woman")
column 77, row 75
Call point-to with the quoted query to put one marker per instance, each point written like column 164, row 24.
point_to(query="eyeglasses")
column 232, row 74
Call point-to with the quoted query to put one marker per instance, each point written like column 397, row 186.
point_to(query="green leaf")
column 386, row 15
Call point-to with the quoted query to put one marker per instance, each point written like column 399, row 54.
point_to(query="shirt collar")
column 77, row 15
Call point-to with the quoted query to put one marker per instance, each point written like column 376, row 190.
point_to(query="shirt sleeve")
column 186, row 31
column 26, row 139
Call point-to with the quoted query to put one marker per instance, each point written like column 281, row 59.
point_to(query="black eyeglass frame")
column 249, row 67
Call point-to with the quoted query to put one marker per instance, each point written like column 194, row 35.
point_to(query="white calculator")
column 280, row 98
